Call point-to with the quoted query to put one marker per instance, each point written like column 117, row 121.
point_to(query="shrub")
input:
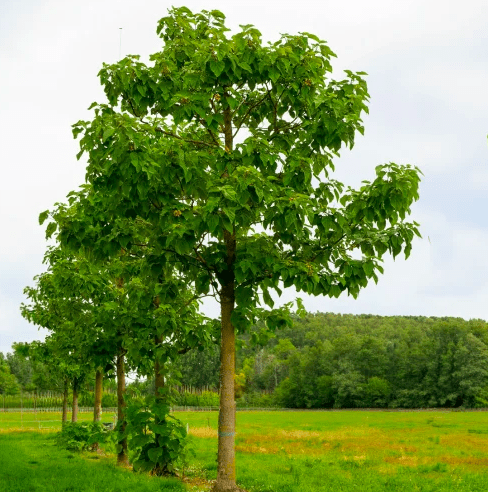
column 81, row 436
column 158, row 439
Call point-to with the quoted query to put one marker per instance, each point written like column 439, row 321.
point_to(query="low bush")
column 158, row 439
column 82, row 436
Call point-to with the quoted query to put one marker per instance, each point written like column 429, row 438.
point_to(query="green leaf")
column 240, row 275
column 154, row 454
column 212, row 222
column 245, row 66
column 107, row 133
column 228, row 225
column 274, row 74
column 51, row 229
column 43, row 216
column 368, row 268
column 230, row 213
column 217, row 67
column 229, row 193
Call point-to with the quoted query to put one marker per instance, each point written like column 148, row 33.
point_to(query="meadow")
column 308, row 451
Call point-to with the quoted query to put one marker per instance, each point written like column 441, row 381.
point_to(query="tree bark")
column 226, row 468
column 226, row 474
column 64, row 416
column 74, row 410
column 97, row 407
column 159, row 385
column 122, row 456
column 159, row 379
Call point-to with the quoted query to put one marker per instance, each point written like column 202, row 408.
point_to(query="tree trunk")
column 122, row 456
column 226, row 475
column 226, row 468
column 74, row 410
column 64, row 416
column 97, row 407
column 160, row 399
column 159, row 379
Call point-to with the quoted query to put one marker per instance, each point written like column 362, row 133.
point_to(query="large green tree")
column 223, row 147
column 8, row 382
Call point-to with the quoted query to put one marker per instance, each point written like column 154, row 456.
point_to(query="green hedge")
column 197, row 399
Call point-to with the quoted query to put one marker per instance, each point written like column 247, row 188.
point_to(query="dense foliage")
column 82, row 436
column 353, row 361
column 20, row 373
column 9, row 384
column 158, row 439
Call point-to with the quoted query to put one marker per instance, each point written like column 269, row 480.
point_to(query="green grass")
column 317, row 451
column 32, row 462
column 43, row 421
column 351, row 451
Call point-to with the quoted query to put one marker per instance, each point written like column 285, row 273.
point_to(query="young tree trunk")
column 74, row 410
column 64, row 416
column 159, row 385
column 226, row 468
column 122, row 456
column 97, row 407
column 226, row 475
column 159, row 379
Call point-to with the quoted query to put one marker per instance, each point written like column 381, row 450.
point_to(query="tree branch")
column 249, row 111
column 187, row 140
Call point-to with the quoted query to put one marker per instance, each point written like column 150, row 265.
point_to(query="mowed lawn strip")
column 351, row 450
column 32, row 462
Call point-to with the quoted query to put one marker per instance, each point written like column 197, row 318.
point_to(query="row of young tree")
column 209, row 174
column 347, row 361
column 21, row 373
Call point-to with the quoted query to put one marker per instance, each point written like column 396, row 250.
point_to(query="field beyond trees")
column 286, row 451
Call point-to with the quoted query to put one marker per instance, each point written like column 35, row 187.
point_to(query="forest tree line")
column 358, row 361
column 325, row 360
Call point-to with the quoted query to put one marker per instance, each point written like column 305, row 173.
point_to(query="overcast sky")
column 427, row 65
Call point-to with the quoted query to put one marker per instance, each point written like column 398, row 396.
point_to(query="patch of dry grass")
column 206, row 432
column 381, row 441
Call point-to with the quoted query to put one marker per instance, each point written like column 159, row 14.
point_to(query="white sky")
column 428, row 76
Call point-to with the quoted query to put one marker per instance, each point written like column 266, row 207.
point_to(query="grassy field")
column 332, row 451
column 31, row 462
column 42, row 421
column 352, row 451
